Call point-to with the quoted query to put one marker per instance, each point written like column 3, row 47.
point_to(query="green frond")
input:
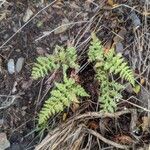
column 71, row 57
column 106, row 63
column 116, row 86
column 115, row 64
column 80, row 91
column 66, row 56
column 95, row 50
column 110, row 93
column 61, row 57
column 61, row 97
column 43, row 66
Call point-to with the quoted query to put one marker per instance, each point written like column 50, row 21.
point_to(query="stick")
column 106, row 140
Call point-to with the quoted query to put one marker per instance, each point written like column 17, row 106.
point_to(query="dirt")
column 20, row 117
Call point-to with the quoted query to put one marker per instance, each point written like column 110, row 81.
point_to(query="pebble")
column 1, row 122
column 63, row 27
column 16, row 146
column 28, row 15
column 11, row 66
column 135, row 20
column 5, row 36
column 40, row 50
column 19, row 64
column 120, row 35
column 4, row 143
column 18, row 50
column 119, row 48
column 63, row 38
column 129, row 89
column 14, row 89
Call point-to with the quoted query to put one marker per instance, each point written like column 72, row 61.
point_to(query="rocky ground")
column 29, row 29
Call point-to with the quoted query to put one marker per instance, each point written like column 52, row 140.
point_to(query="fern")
column 65, row 93
column 106, row 63
column 61, row 56
column 115, row 64
column 69, row 91
column 61, row 97
column 43, row 66
column 95, row 50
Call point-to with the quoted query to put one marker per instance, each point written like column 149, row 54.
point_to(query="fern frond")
column 66, row 56
column 110, row 94
column 80, row 91
column 106, row 63
column 95, row 50
column 109, row 91
column 43, row 66
column 61, row 56
column 71, row 57
column 64, row 94
column 112, row 62
column 115, row 64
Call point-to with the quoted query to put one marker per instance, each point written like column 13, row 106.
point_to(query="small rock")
column 14, row 29
column 24, row 107
column 64, row 38
column 18, row 50
column 1, row 122
column 11, row 66
column 120, row 35
column 129, row 89
column 19, row 64
column 23, row 113
column 26, row 84
column 27, row 15
column 4, row 143
column 63, row 27
column 16, row 146
column 135, row 20
column 40, row 50
column 119, row 47
column 14, row 89
column 5, row 36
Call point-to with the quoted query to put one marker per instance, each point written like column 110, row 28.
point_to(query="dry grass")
column 140, row 57
column 75, row 134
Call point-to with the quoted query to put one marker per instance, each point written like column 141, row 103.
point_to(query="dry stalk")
column 69, row 133
column 98, row 135
column 140, row 59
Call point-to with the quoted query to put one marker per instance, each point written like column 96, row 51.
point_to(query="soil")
column 19, row 119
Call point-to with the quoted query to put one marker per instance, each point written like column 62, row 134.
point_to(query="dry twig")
column 98, row 135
